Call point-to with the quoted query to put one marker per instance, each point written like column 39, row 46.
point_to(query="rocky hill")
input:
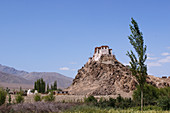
column 12, row 75
column 108, row 77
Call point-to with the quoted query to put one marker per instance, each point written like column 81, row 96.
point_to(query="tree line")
column 40, row 86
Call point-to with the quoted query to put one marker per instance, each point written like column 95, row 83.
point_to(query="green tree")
column 2, row 96
column 48, row 88
column 52, row 87
column 164, row 98
column 39, row 85
column 55, row 85
column 138, row 66
column 151, row 95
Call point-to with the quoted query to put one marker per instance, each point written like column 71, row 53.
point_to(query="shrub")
column 103, row 103
column 2, row 96
column 49, row 97
column 90, row 99
column 112, row 102
column 9, row 98
column 37, row 97
column 164, row 91
column 164, row 102
column 19, row 98
column 151, row 94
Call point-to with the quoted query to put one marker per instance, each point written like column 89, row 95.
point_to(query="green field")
column 91, row 109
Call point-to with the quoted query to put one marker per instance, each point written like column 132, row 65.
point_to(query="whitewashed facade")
column 99, row 51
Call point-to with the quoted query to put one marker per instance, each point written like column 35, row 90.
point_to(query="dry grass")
column 60, row 98
column 36, row 107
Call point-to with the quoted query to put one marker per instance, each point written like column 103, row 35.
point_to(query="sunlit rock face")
column 107, row 76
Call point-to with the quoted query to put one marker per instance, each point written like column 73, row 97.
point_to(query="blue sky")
column 60, row 36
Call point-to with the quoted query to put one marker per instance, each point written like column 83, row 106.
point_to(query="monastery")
column 99, row 51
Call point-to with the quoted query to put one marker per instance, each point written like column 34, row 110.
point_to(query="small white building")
column 29, row 92
column 99, row 51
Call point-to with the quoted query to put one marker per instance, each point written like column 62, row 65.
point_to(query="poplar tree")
column 47, row 88
column 55, row 85
column 138, row 66
column 40, row 85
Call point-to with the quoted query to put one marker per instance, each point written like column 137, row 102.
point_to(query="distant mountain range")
column 12, row 75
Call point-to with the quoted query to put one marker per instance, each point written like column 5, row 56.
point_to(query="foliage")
column 164, row 102
column 2, row 96
column 164, row 91
column 151, row 95
column 19, row 98
column 54, row 86
column 9, row 98
column 154, row 96
column 59, row 89
column 49, row 97
column 164, row 98
column 48, row 88
column 123, row 103
column 90, row 99
column 37, row 97
column 138, row 67
column 7, row 90
column 39, row 85
column 103, row 103
column 119, row 102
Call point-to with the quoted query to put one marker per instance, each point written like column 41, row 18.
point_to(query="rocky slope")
column 108, row 77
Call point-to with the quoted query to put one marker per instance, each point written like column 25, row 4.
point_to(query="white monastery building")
column 99, row 51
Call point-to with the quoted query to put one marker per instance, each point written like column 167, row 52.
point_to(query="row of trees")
column 40, row 86
column 154, row 99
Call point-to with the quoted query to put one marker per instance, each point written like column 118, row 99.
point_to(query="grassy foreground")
column 92, row 109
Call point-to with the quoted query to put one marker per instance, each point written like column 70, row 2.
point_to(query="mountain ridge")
column 49, row 77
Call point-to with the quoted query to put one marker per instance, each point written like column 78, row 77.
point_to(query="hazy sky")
column 60, row 35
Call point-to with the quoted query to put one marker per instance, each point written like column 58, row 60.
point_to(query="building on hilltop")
column 99, row 51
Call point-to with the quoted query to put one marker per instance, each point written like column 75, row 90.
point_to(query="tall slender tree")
column 55, row 85
column 47, row 88
column 40, row 85
column 138, row 66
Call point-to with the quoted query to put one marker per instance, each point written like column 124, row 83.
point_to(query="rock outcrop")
column 108, row 77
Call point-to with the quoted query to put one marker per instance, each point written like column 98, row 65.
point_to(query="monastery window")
column 98, row 51
column 110, row 52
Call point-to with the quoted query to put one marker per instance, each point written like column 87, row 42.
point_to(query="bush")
column 2, row 96
column 90, row 99
column 49, row 97
column 9, row 98
column 164, row 91
column 150, row 95
column 37, row 97
column 164, row 102
column 103, row 103
column 19, row 98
